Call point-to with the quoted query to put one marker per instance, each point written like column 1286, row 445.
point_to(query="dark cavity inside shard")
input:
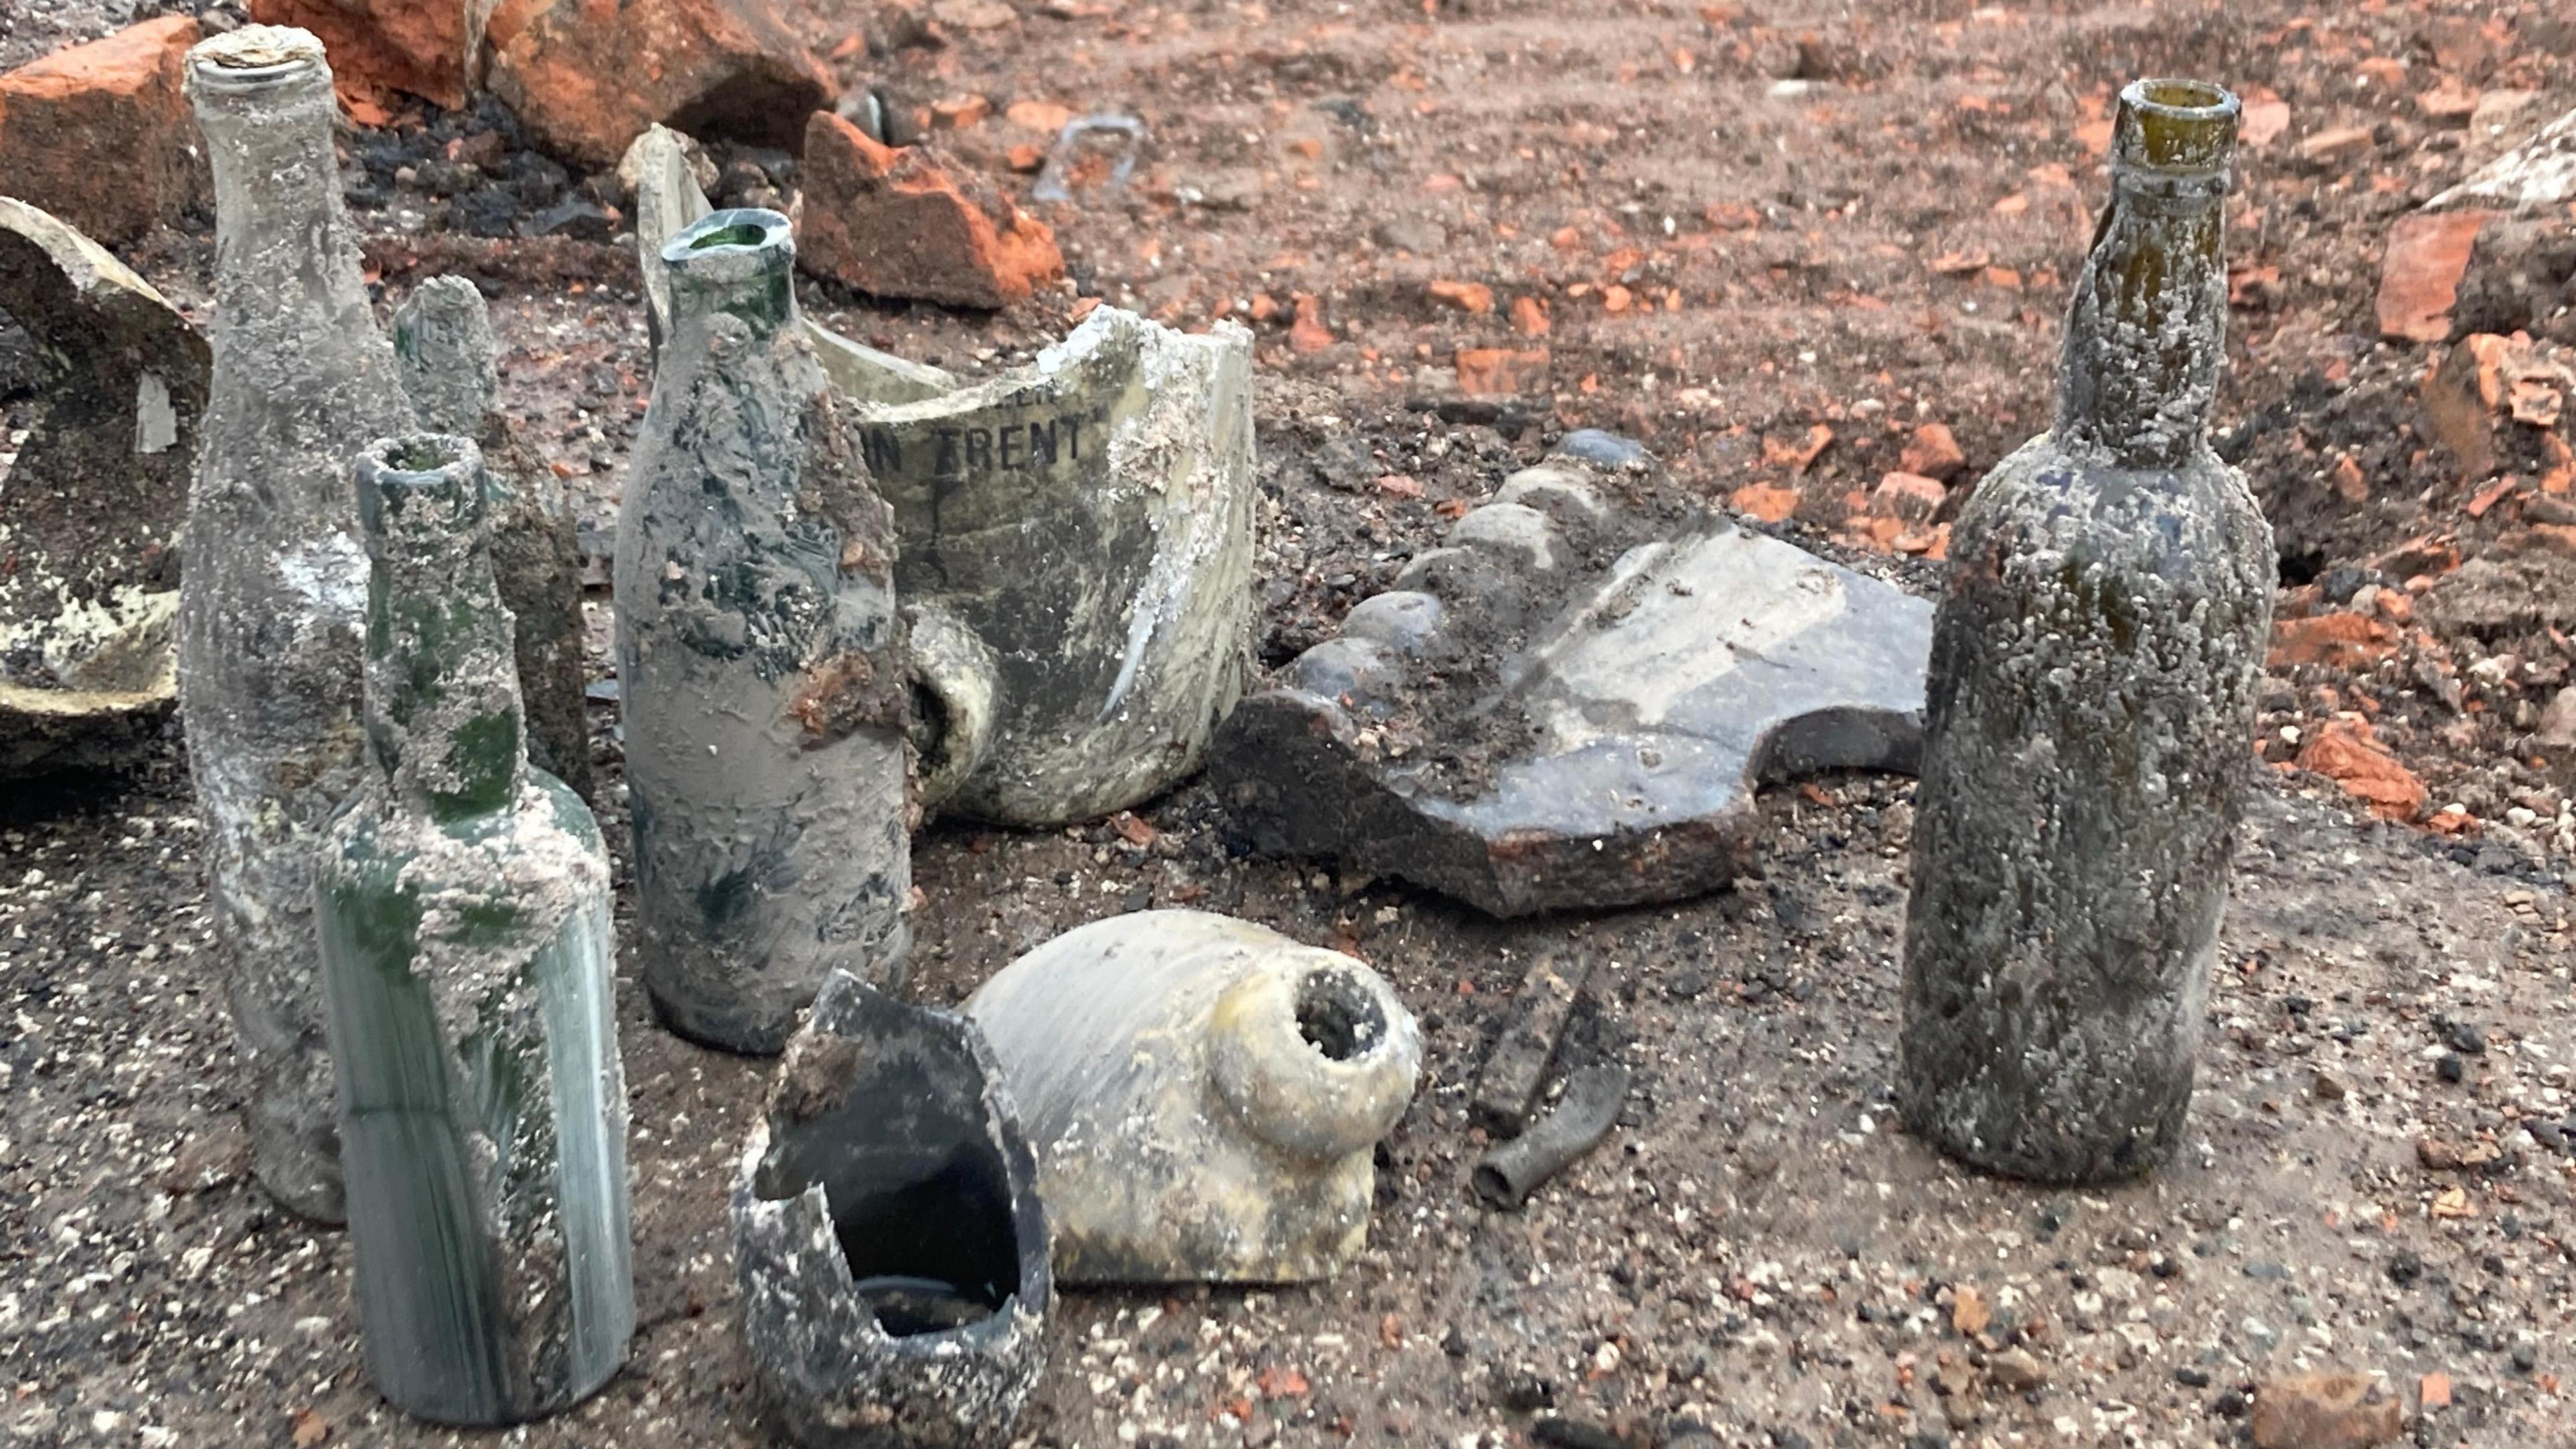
column 1336, row 1016
column 919, row 1199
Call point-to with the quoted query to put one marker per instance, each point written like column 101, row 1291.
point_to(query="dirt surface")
column 1744, row 222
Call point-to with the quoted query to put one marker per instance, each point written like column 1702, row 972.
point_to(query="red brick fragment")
column 99, row 134
column 1502, row 372
column 2419, row 278
column 907, row 222
column 587, row 77
column 383, row 49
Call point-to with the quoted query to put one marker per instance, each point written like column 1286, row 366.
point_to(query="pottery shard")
column 2419, row 278
column 2326, row 1411
column 383, row 48
column 99, row 134
column 1570, row 704
column 907, row 222
column 586, row 77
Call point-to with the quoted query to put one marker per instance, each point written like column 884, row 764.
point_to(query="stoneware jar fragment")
column 1204, row 1095
column 96, row 498
column 888, row 1236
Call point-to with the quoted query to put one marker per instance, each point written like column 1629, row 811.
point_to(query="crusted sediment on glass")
column 467, row 951
column 2092, row 687
column 760, row 661
column 450, row 365
column 275, row 584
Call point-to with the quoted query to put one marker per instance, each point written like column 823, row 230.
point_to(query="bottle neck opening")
column 741, row 262
column 444, row 719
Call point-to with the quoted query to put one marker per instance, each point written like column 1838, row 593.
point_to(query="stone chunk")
column 95, row 501
column 909, row 222
column 1571, row 736
column 586, row 77
column 1203, row 1095
column 99, row 135
column 2326, row 1411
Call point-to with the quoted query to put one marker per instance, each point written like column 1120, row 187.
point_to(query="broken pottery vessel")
column 889, row 1239
column 273, row 598
column 466, row 956
column 1076, row 548
column 1204, row 1095
column 1520, row 728
column 451, row 368
column 96, row 498
column 759, row 661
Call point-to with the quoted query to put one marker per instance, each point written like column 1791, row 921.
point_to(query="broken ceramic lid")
column 1204, row 1095
column 1556, row 709
column 1076, row 545
column 96, row 497
column 888, row 1239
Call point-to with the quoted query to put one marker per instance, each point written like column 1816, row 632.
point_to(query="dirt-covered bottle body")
column 2090, row 710
column 273, row 586
column 760, row 662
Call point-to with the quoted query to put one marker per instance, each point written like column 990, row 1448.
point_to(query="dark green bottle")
column 2091, row 707
column 466, row 958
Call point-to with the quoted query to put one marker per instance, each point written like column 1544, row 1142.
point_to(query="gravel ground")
column 1812, row 220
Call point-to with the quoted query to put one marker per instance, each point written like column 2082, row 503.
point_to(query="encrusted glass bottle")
column 451, row 368
column 466, row 953
column 274, row 585
column 2091, row 705
column 760, row 661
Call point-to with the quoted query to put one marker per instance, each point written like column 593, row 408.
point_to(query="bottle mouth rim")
column 738, row 232
column 2181, row 99
column 440, row 469
column 256, row 57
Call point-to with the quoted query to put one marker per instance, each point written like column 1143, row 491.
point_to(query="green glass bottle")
column 760, row 661
column 2091, row 707
column 466, row 955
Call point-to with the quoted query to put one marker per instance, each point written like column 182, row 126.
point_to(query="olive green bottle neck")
column 2146, row 332
column 444, row 721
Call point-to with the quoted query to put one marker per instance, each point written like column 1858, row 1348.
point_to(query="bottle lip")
column 2175, row 126
column 256, row 58
column 741, row 242
column 423, row 482
column 2180, row 98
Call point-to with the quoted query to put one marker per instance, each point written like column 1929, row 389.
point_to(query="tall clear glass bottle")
column 466, row 953
column 760, row 661
column 274, row 584
column 2092, row 705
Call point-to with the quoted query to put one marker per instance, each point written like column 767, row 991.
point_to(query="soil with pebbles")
column 1811, row 218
